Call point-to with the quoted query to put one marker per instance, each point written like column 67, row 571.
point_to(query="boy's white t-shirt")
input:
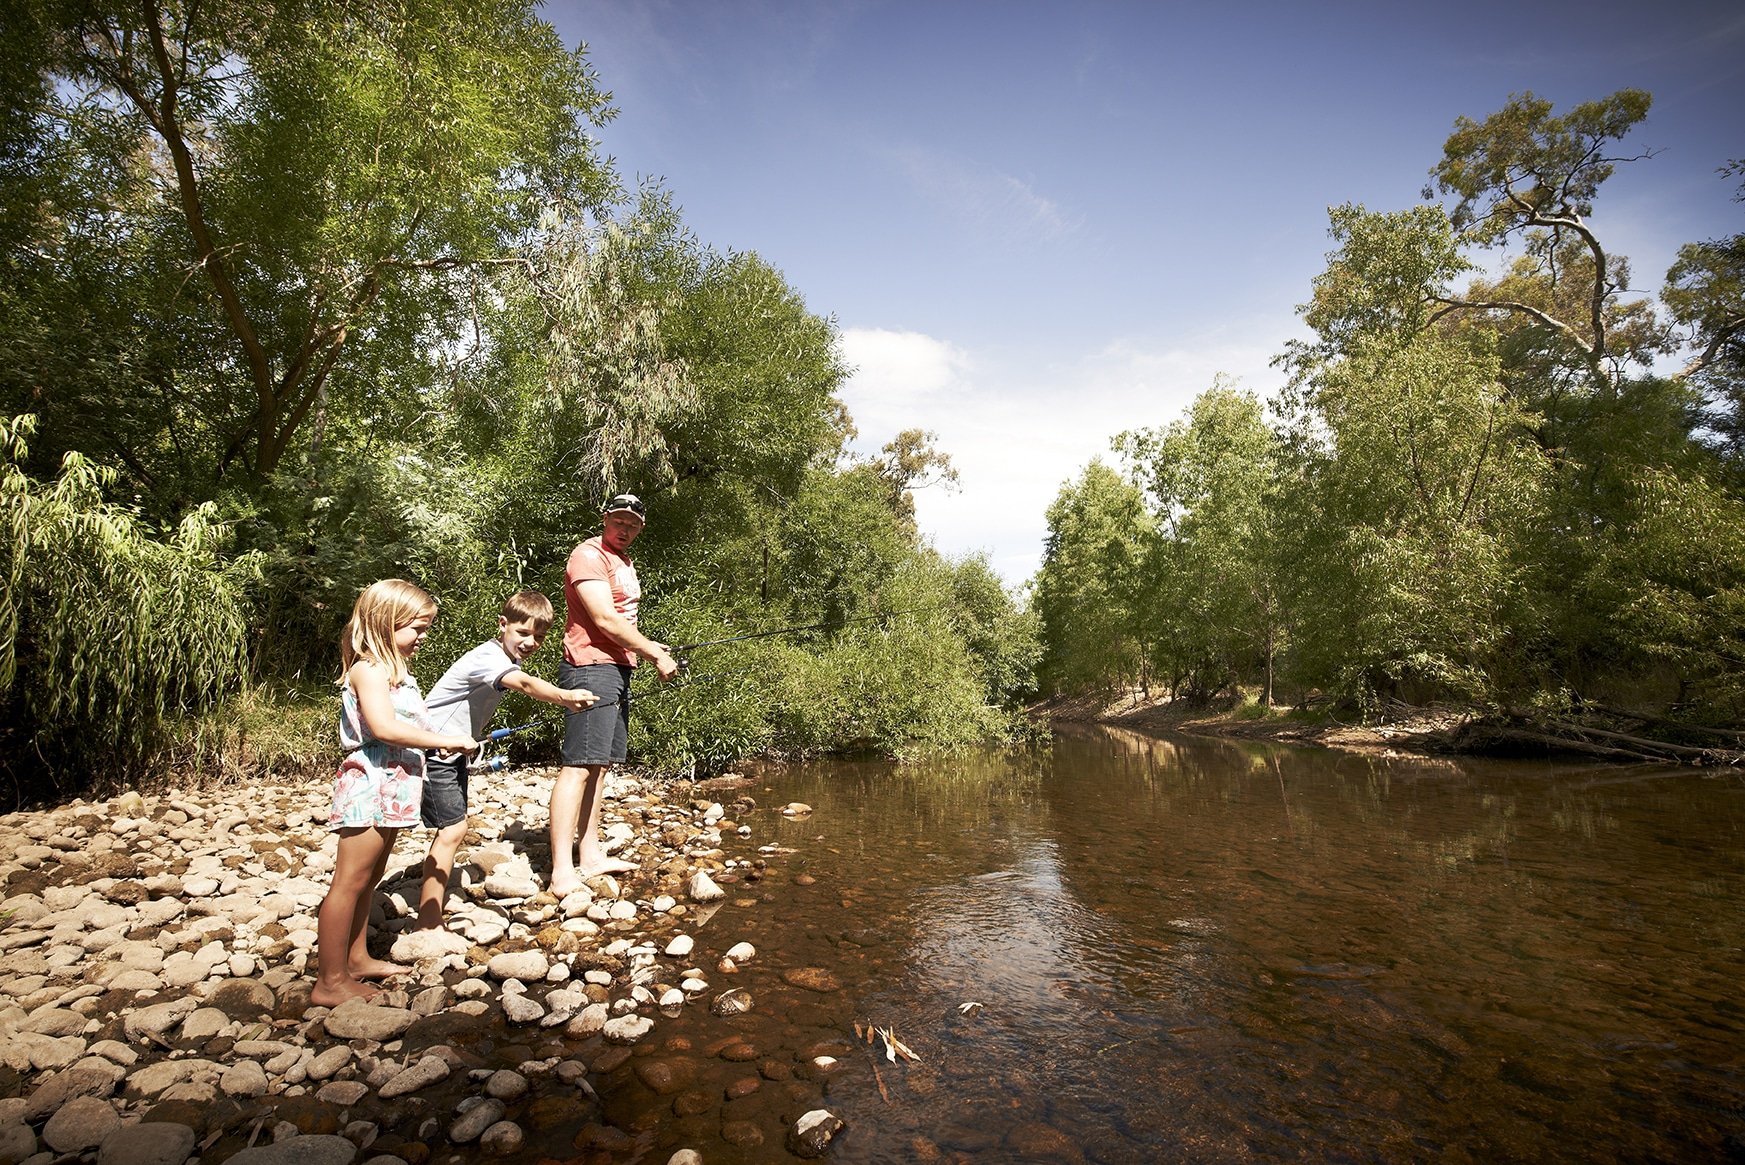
column 466, row 697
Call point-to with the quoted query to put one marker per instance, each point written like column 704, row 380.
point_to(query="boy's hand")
column 578, row 699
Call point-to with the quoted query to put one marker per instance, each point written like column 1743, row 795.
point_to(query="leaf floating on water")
column 895, row 1047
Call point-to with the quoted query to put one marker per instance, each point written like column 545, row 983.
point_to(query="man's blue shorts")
column 601, row 734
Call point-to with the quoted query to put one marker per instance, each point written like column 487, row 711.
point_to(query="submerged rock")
column 813, row 1133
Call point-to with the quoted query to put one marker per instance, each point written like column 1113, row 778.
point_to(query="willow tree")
column 109, row 628
column 1090, row 592
column 1212, row 479
column 272, row 212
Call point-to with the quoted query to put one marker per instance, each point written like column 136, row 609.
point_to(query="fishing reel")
column 490, row 764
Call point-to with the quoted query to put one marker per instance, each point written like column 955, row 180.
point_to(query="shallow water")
column 1212, row 951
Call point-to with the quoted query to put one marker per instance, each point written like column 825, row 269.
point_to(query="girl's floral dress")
column 378, row 784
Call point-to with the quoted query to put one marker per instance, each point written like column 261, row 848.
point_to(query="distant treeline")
column 1475, row 488
column 303, row 296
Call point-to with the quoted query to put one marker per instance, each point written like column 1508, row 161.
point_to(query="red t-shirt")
column 583, row 641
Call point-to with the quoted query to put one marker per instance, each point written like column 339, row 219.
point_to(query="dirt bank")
column 1416, row 730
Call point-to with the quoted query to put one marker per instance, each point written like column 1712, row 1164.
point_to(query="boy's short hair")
column 529, row 607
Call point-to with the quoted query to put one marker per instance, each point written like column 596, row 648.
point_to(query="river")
column 1198, row 950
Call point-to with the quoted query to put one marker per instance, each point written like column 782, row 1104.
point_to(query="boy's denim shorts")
column 445, row 791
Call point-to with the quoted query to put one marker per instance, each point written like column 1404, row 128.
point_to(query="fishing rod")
column 880, row 617
column 493, row 764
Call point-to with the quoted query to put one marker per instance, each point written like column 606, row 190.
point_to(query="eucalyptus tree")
column 285, row 210
column 1525, row 176
column 1705, row 292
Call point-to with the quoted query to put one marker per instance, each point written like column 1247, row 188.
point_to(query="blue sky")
column 1038, row 225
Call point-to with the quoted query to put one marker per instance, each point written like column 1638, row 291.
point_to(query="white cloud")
column 894, row 372
column 1017, row 433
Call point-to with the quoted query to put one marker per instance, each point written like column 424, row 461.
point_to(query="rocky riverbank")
column 156, row 955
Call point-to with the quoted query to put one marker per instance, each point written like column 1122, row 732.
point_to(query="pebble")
column 358, row 1019
column 506, row 1085
column 245, row 1079
column 80, row 1124
column 150, row 1143
column 812, row 1133
column 471, row 1124
column 527, row 966
column 518, row 1008
column 627, row 1029
column 702, row 888
column 427, row 1071
column 343, row 1093
column 502, row 1139
column 319, row 1149
column 196, row 960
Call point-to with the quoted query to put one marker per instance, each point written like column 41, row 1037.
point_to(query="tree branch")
column 1543, row 317
column 187, row 185
column 1724, row 334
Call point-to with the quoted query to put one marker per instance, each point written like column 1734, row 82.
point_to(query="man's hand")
column 664, row 664
column 577, row 699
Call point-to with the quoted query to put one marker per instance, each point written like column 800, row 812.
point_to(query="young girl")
column 379, row 786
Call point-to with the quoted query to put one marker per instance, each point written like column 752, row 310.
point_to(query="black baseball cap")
column 622, row 503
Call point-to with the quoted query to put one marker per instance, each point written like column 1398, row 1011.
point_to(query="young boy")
column 464, row 700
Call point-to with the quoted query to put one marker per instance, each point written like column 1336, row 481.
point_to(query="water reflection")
column 1227, row 951
column 1209, row 950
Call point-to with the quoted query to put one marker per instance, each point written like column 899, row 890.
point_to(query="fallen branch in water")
column 1519, row 731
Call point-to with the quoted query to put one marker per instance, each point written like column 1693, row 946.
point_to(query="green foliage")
column 351, row 283
column 1705, row 291
column 1088, row 594
column 270, row 217
column 1212, row 480
column 1408, row 557
column 107, row 629
column 1471, row 493
column 1523, row 166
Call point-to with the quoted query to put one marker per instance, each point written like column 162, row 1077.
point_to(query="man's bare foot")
column 376, row 969
column 333, row 996
column 607, row 866
column 564, row 885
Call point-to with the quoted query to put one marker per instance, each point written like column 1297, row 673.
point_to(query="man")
column 601, row 648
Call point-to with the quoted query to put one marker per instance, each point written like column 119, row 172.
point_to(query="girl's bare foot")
column 325, row 996
column 376, row 969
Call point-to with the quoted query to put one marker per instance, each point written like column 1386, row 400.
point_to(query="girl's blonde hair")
column 382, row 609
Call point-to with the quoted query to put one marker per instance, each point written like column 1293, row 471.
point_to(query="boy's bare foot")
column 376, row 969
column 339, row 993
column 607, row 866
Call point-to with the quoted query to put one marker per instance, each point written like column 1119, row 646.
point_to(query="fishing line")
column 678, row 652
column 880, row 617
